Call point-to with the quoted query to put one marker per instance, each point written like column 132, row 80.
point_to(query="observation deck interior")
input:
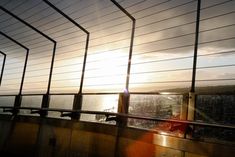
column 117, row 78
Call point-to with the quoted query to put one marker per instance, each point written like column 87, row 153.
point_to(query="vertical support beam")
column 18, row 97
column 183, row 109
column 126, row 95
column 123, row 100
column 3, row 66
column 46, row 97
column 77, row 104
column 123, row 103
column 196, row 46
column 191, row 105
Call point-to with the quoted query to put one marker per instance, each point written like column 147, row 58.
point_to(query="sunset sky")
column 162, row 53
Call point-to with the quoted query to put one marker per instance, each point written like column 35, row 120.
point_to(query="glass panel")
column 6, row 101
column 30, row 101
column 60, row 102
column 106, row 103
column 159, row 106
column 215, row 109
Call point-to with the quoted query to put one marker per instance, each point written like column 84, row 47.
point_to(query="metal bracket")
column 112, row 118
column 12, row 110
column 72, row 115
column 35, row 112
column 8, row 110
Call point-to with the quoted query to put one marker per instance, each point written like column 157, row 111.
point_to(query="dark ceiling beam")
column 123, row 107
column 87, row 39
column 3, row 66
column 26, row 59
column 77, row 103
column 44, row 35
column 131, row 42
column 46, row 97
column 18, row 97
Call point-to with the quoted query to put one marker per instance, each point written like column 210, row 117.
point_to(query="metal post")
column 19, row 96
column 126, row 91
column 78, row 97
column 192, row 95
column 196, row 47
column 191, row 105
column 131, row 42
column 3, row 66
column 46, row 98
column 123, row 104
column 183, row 109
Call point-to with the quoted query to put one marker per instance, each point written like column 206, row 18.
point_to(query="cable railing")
column 180, row 15
column 132, row 46
column 185, row 24
column 110, row 21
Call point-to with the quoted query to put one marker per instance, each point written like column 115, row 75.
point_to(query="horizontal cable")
column 123, row 16
column 190, row 22
column 15, row 7
column 50, row 28
column 153, row 61
column 185, row 57
column 185, row 46
column 185, row 81
column 137, row 45
column 168, row 39
column 212, row 5
column 219, row 53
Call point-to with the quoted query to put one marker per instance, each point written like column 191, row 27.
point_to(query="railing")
column 69, row 113
column 152, row 46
